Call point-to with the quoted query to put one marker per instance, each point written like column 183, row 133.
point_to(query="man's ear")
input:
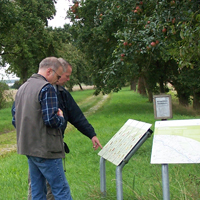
column 48, row 72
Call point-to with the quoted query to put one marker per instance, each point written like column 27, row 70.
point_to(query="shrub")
column 3, row 87
column 16, row 85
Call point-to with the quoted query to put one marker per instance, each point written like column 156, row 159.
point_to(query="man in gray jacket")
column 38, row 119
column 71, row 113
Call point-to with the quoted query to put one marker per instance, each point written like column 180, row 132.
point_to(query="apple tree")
column 93, row 28
column 154, row 28
column 25, row 38
column 80, row 66
column 144, row 40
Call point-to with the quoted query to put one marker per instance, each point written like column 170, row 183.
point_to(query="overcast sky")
column 59, row 20
column 61, row 8
column 5, row 76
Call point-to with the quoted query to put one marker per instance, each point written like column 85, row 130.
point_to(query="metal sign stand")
column 119, row 168
column 165, row 182
column 163, row 111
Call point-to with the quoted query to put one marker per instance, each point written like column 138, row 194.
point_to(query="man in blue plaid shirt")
column 38, row 119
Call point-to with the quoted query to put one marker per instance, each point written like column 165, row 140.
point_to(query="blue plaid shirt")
column 49, row 105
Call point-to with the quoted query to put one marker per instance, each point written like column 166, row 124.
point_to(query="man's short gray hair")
column 50, row 62
column 64, row 63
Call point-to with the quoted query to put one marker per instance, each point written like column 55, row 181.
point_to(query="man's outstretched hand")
column 96, row 143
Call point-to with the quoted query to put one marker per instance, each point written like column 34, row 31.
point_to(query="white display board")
column 176, row 141
column 124, row 141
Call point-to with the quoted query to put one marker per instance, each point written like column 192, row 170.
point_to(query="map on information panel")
column 176, row 141
column 123, row 141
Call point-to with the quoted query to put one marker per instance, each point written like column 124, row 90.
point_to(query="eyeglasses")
column 58, row 76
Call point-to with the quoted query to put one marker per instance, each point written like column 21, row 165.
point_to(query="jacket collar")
column 38, row 76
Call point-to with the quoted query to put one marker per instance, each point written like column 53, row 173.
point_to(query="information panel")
column 124, row 141
column 162, row 106
column 176, row 141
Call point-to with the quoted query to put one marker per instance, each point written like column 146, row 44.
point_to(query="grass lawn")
column 141, row 180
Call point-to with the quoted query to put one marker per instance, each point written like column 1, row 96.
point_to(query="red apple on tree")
column 138, row 9
column 153, row 44
column 122, row 55
column 148, row 48
column 172, row 3
column 164, row 30
column 157, row 42
column 125, row 43
column 173, row 20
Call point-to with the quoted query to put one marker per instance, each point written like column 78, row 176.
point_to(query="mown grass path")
column 89, row 106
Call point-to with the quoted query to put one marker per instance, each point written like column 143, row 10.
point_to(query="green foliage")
column 109, row 43
column 25, row 40
column 151, row 39
column 93, row 33
column 153, row 30
column 3, row 86
column 16, row 85
column 80, row 65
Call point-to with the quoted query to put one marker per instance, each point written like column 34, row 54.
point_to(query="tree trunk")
column 162, row 88
column 141, row 86
column 183, row 93
column 196, row 100
column 149, row 91
column 133, row 84
column 150, row 96
column 80, row 86
column 70, row 89
column 183, row 101
column 184, row 98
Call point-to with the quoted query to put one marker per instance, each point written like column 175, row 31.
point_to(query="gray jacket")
column 34, row 138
